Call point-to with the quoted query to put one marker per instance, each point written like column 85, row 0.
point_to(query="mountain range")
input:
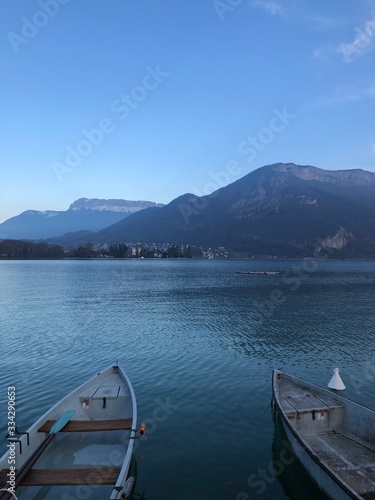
column 84, row 214
column 281, row 210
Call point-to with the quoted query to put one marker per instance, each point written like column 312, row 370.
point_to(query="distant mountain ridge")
column 307, row 172
column 83, row 214
column 112, row 205
column 280, row 209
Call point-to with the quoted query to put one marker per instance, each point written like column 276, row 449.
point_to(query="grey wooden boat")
column 82, row 446
column 332, row 436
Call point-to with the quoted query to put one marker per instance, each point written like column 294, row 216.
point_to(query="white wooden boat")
column 82, row 445
column 333, row 437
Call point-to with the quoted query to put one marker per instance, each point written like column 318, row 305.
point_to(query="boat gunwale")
column 276, row 396
column 129, row 451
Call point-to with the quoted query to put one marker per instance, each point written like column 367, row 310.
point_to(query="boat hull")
column 321, row 426
column 321, row 478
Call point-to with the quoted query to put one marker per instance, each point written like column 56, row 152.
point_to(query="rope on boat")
column 141, row 431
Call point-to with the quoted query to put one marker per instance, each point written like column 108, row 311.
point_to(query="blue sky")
column 150, row 99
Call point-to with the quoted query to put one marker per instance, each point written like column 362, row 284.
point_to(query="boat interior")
column 89, row 450
column 342, row 436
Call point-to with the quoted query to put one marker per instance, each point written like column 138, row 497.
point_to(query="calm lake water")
column 199, row 343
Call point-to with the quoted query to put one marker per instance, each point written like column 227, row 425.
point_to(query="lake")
column 199, row 343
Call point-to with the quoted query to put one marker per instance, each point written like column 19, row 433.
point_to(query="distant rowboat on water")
column 260, row 273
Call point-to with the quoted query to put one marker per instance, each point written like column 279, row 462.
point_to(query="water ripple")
column 199, row 343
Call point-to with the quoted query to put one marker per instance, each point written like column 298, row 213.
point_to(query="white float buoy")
column 336, row 382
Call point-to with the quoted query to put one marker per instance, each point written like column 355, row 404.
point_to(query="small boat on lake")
column 84, row 441
column 332, row 436
column 260, row 273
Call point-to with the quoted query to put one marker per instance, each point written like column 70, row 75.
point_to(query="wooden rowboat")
column 333, row 437
column 84, row 442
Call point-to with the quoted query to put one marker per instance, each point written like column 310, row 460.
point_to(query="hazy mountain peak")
column 85, row 214
column 111, row 205
column 310, row 173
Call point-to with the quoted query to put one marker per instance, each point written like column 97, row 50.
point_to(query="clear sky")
column 150, row 99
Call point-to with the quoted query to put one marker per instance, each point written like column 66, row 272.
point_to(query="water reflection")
column 289, row 471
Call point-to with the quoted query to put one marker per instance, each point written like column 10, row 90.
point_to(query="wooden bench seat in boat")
column 69, row 477
column 307, row 404
column 312, row 414
column 90, row 425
